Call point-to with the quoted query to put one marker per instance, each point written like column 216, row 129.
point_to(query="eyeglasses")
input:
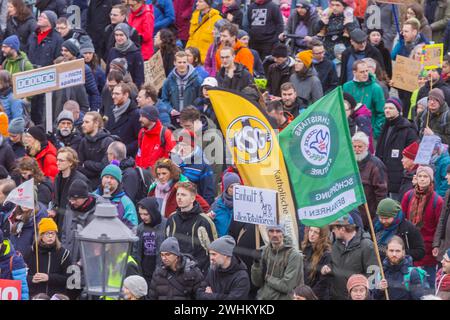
column 61, row 160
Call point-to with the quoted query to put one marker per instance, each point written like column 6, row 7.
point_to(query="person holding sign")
column 434, row 81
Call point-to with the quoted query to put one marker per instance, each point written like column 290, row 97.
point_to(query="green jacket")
column 371, row 94
column 20, row 64
column 278, row 272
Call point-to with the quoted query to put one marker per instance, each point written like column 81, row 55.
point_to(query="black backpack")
column 145, row 179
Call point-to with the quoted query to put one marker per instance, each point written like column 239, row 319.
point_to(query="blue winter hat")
column 448, row 254
column 113, row 171
column 12, row 42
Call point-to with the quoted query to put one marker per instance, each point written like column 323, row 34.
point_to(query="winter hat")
column 220, row 23
column 170, row 245
column 151, row 205
column 428, row 170
column 87, row 47
column 125, row 28
column 349, row 98
column 358, row 36
column 17, row 126
column 411, row 151
column 12, row 42
column 388, row 208
column 303, row 4
column 396, row 102
column 51, row 16
column 446, row 254
column 380, row 31
column 280, row 227
column 339, row 48
column 423, row 101
column 361, row 136
column 437, row 95
column 242, row 33
column 113, row 171
column 280, row 51
column 357, row 280
column 224, row 245
column 38, row 133
column 65, row 115
column 210, row 82
column 72, row 46
column 47, row 224
column 187, row 137
column 230, row 178
column 346, row 220
column 137, row 286
column 150, row 112
column 78, row 190
column 120, row 64
column 306, row 57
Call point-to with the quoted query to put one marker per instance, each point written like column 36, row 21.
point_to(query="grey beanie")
column 65, row 115
column 16, row 126
column 242, row 33
column 137, row 286
column 124, row 28
column 170, row 245
column 51, row 16
column 87, row 47
column 224, row 245
column 280, row 227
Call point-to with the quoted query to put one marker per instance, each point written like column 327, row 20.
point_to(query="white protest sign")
column 426, row 148
column 255, row 205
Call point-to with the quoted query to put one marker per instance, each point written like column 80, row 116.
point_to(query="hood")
column 362, row 110
column 127, row 163
column 195, row 211
column 366, row 83
column 151, row 205
column 191, row 70
column 139, row 12
column 22, row 55
column 236, row 265
column 101, row 134
column 49, row 149
column 309, row 73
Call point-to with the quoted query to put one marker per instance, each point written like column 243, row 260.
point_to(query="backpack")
column 145, row 180
column 422, row 275
column 21, row 67
column 162, row 137
column 435, row 200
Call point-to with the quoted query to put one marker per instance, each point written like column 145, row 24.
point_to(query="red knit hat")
column 357, row 280
column 187, row 137
column 411, row 151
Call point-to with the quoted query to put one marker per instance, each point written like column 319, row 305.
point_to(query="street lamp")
column 105, row 246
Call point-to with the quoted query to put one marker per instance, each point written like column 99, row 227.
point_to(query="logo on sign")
column 315, row 145
column 250, row 139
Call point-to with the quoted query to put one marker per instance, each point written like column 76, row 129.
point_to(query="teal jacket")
column 440, row 182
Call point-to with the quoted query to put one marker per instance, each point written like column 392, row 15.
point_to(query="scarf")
column 419, row 201
column 384, row 234
column 123, row 48
column 227, row 199
column 162, row 189
column 41, row 35
column 118, row 111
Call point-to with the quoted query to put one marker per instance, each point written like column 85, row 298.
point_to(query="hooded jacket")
column 46, row 159
column 279, row 74
column 307, row 86
column 241, row 78
column 110, row 41
column 231, row 283
column 19, row 64
column 440, row 172
column 236, row 12
column 194, row 231
column 243, row 55
column 371, row 94
column 395, row 136
column 361, row 120
column 436, row 122
column 134, row 60
column 22, row 29
column 9, row 257
column 13, row 107
column 163, row 18
column 309, row 21
column 265, row 22
column 181, row 92
column 7, row 156
column 143, row 21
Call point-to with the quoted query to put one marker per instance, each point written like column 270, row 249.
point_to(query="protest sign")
column 10, row 289
column 154, row 71
column 395, row 1
column 432, row 56
column 405, row 74
column 255, row 205
column 426, row 148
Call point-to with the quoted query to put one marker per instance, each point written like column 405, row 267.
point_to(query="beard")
column 65, row 132
column 362, row 156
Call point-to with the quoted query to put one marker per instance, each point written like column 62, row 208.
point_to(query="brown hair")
column 287, row 86
column 180, row 54
column 322, row 246
column 124, row 87
column 196, row 54
column 414, row 23
column 169, row 165
column 26, row 217
column 189, row 186
column 190, row 113
column 5, row 79
column 123, row 9
column 7, row 185
column 418, row 10
column 305, row 291
column 63, row 20
column 30, row 164
column 22, row 11
column 275, row 105
column 168, row 41
column 72, row 156
column 57, row 242
column 96, row 117
column 231, row 28
column 357, row 63
column 150, row 91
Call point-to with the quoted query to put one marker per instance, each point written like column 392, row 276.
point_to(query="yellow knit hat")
column 47, row 224
column 306, row 57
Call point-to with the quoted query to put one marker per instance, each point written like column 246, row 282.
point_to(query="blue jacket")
column 223, row 217
column 125, row 207
column 18, row 270
column 401, row 48
column 198, row 171
column 440, row 172
column 190, row 89
column 135, row 63
column 164, row 112
column 100, row 78
column 47, row 51
column 202, row 73
column 95, row 100
column 13, row 107
column 164, row 18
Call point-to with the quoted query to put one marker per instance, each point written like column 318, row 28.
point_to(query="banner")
column 321, row 163
column 426, row 148
column 255, row 205
column 10, row 289
column 154, row 71
column 23, row 195
column 432, row 56
column 405, row 73
column 256, row 152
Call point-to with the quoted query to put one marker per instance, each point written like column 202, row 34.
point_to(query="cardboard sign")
column 395, row 1
column 154, row 71
column 432, row 56
column 426, row 148
column 10, row 289
column 48, row 79
column 255, row 205
column 405, row 74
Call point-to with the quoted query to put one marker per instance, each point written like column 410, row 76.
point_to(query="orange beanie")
column 47, row 224
column 306, row 57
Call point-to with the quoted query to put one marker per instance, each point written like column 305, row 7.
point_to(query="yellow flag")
column 255, row 150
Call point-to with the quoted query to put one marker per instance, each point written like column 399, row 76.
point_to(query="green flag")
column 319, row 157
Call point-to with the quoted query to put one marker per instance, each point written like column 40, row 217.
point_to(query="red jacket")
column 149, row 144
column 46, row 160
column 430, row 222
column 183, row 13
column 143, row 21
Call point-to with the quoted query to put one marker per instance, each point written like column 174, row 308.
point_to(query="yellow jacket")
column 201, row 33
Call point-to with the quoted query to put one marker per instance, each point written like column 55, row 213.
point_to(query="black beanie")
column 349, row 98
column 38, row 133
column 151, row 205
column 280, row 50
column 72, row 47
column 78, row 189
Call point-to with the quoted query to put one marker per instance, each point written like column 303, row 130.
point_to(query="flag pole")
column 377, row 252
column 257, row 237
column 36, row 240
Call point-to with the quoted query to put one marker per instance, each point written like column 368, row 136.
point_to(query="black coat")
column 386, row 54
column 92, row 155
column 45, row 191
column 57, row 6
column 22, row 29
column 183, row 284
column 127, row 128
column 440, row 84
column 237, row 14
column 318, row 283
column 47, row 51
column 7, row 155
column 327, row 75
column 134, row 60
column 405, row 184
column 53, row 262
column 109, row 41
column 369, row 52
column 241, row 78
column 277, row 75
column 413, row 240
column 130, row 178
column 18, row 149
column 390, row 148
column 73, row 140
column 232, row 283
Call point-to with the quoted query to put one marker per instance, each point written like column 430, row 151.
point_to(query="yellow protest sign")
column 432, row 56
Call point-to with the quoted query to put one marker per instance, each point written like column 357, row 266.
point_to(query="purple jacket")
column 210, row 61
column 361, row 119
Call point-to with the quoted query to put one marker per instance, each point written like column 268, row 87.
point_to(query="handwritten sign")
column 432, row 56
column 255, row 205
column 154, row 71
column 405, row 74
column 10, row 289
column 426, row 148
